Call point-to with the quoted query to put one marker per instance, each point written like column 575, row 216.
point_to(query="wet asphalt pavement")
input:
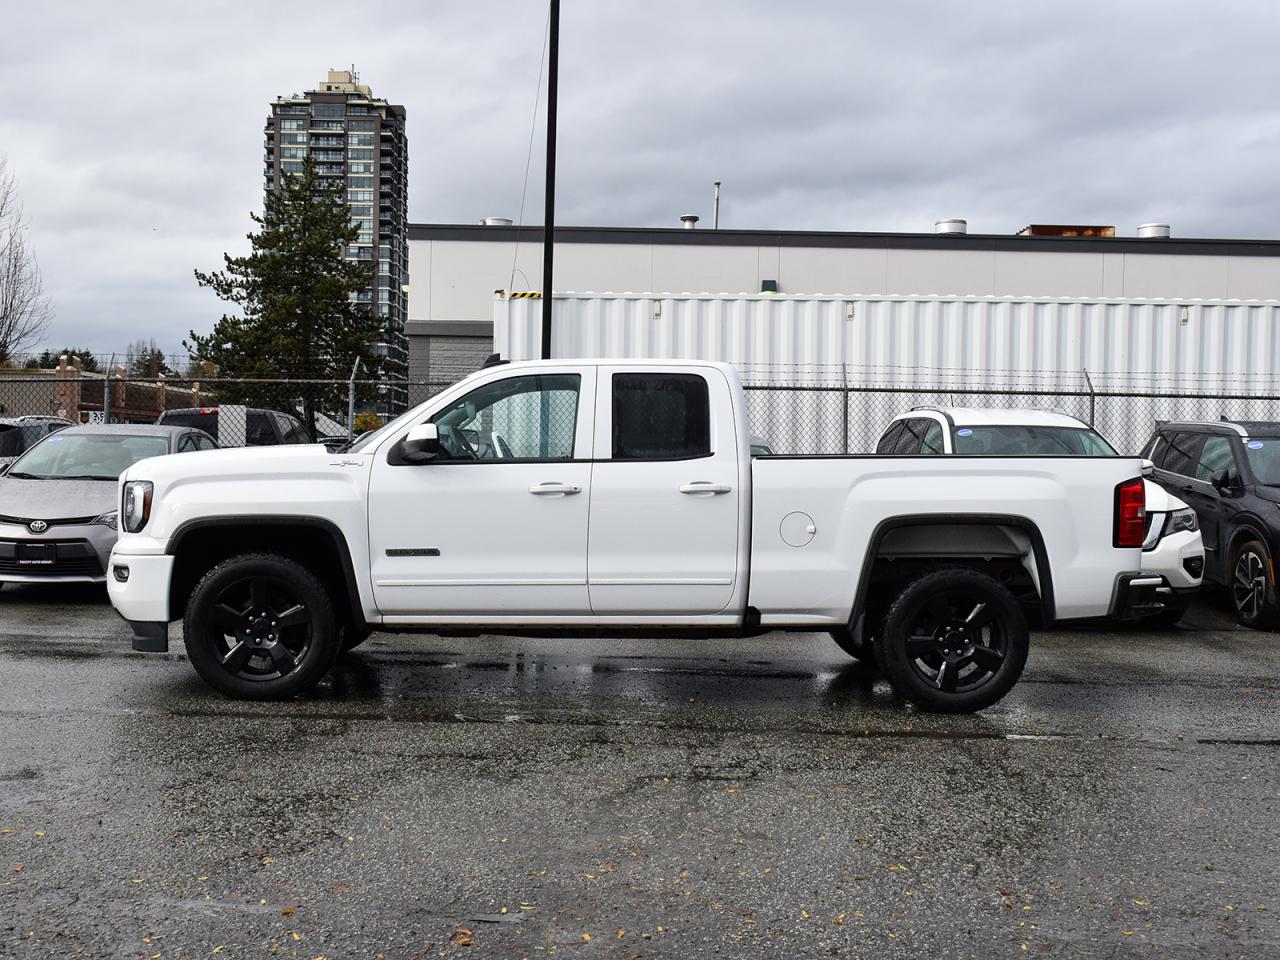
column 503, row 797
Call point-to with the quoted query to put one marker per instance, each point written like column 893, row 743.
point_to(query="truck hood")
column 246, row 462
column 56, row 499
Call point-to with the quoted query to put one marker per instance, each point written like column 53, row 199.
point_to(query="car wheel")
column 954, row 641
column 260, row 627
column 353, row 636
column 1253, row 593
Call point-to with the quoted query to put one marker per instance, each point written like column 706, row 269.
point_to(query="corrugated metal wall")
column 931, row 344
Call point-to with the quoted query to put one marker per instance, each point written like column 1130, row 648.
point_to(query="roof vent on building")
column 496, row 222
column 1153, row 231
column 690, row 220
column 954, row 227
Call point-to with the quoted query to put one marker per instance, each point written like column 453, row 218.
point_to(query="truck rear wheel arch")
column 881, row 535
column 315, row 542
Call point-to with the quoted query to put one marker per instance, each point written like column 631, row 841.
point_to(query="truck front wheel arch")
column 315, row 543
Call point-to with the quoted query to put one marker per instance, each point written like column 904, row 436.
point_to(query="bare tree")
column 24, row 307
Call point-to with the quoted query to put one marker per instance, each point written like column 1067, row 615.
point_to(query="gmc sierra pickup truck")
column 612, row 496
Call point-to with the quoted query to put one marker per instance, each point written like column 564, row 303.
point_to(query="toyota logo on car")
column 37, row 526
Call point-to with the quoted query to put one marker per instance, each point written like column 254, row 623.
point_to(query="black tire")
column 260, row 627
column 353, row 636
column 954, row 641
column 1252, row 589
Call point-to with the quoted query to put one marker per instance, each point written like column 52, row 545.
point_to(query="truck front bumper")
column 138, row 585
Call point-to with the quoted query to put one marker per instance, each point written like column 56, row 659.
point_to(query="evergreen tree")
column 146, row 361
column 48, row 360
column 295, row 293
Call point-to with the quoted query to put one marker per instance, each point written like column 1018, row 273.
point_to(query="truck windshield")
column 86, row 456
column 1264, row 459
column 1013, row 440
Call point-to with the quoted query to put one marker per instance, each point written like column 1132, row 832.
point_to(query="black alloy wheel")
column 955, row 640
column 1252, row 591
column 266, row 628
column 260, row 627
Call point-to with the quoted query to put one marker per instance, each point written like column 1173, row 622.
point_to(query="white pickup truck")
column 613, row 496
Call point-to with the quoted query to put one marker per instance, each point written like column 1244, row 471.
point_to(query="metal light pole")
column 715, row 215
column 548, row 236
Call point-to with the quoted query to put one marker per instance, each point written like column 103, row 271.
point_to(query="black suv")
column 1229, row 472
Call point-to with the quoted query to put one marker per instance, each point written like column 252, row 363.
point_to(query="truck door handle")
column 696, row 487
column 553, row 489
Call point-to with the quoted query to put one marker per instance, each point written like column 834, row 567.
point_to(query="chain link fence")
column 793, row 411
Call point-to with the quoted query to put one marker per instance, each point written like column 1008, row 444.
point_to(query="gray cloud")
column 135, row 129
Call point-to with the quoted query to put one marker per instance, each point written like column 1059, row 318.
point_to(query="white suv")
column 1173, row 549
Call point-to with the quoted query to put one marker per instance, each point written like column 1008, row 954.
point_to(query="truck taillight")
column 1131, row 513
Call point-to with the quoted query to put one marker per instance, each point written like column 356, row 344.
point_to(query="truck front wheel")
column 954, row 641
column 260, row 627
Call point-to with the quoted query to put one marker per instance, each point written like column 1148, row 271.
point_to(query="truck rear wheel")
column 260, row 627
column 954, row 641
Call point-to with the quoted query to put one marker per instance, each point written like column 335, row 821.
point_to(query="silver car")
column 58, row 500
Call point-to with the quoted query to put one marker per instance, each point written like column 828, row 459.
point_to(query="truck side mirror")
column 420, row 445
column 1220, row 479
column 1148, row 468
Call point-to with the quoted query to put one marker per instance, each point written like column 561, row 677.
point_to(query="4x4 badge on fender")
column 37, row 526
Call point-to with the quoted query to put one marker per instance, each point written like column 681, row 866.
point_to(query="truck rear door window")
column 660, row 416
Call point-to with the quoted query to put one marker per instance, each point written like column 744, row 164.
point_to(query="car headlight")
column 136, row 506
column 108, row 519
column 1185, row 519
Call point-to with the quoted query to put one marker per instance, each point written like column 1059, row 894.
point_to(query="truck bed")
column 818, row 521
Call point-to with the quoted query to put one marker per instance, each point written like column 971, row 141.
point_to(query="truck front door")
column 665, row 494
column 497, row 525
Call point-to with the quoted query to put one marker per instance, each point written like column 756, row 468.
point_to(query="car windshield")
column 1264, row 459
column 1013, row 440
column 86, row 456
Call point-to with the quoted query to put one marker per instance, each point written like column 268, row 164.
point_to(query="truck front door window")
column 520, row 418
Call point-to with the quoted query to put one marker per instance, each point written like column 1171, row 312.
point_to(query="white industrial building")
column 455, row 270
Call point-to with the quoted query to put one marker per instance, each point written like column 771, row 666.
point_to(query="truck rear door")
column 665, row 493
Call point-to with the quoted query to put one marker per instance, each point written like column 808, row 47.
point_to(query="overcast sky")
column 135, row 128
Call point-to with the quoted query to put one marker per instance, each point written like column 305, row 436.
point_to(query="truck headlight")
column 1183, row 520
column 136, row 506
column 108, row 519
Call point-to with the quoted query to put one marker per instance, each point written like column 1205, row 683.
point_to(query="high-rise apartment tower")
column 360, row 139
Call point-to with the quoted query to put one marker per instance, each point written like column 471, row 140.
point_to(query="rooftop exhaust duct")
column 496, row 222
column 1153, row 231
column 952, row 227
column 690, row 220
